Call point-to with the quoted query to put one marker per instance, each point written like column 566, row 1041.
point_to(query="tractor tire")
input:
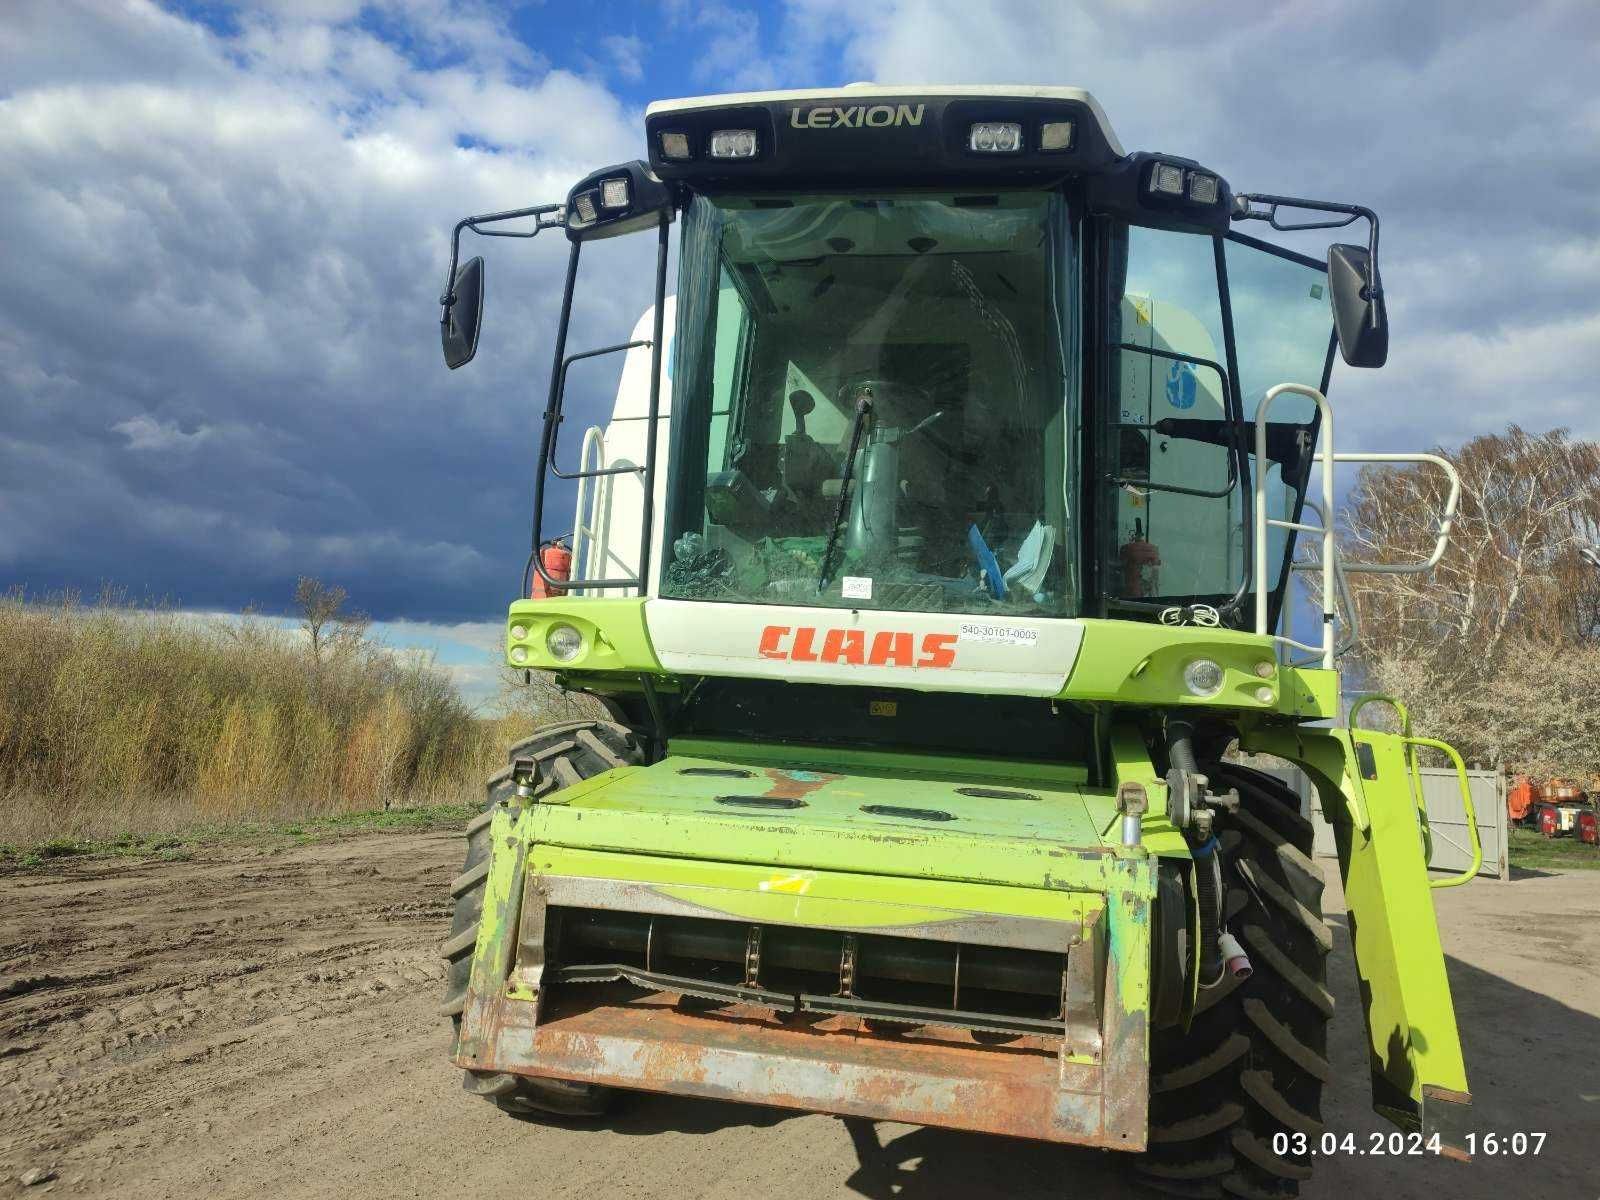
column 567, row 753
column 1253, row 1062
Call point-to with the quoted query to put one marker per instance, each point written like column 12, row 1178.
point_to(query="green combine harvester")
column 932, row 569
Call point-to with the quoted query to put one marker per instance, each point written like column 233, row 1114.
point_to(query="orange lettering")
column 802, row 651
column 891, row 649
column 844, row 645
column 770, row 637
column 938, row 650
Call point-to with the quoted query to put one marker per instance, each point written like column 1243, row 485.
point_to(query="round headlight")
column 519, row 633
column 1203, row 677
column 564, row 642
column 1264, row 695
column 519, row 654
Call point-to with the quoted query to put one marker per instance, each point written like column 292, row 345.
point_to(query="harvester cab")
column 930, row 568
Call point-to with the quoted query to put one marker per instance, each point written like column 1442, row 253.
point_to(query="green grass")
column 1534, row 852
column 179, row 847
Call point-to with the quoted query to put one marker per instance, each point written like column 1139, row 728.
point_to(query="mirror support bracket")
column 547, row 216
column 1252, row 206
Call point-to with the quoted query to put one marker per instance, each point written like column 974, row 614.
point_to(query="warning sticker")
column 1000, row 635
column 856, row 587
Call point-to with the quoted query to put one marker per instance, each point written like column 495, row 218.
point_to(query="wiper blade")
column 863, row 407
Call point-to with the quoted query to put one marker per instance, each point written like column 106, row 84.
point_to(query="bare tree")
column 1514, row 578
column 331, row 629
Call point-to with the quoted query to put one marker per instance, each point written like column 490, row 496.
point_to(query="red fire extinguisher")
column 556, row 559
column 1141, row 565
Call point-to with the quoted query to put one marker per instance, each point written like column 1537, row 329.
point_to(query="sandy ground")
column 262, row 1023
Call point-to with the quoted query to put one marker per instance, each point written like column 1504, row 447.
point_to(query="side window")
column 732, row 352
column 1176, row 507
column 1282, row 330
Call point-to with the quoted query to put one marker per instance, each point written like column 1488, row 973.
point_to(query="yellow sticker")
column 1141, row 309
column 883, row 708
column 795, row 885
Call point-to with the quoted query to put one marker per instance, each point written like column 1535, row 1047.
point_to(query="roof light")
column 1202, row 188
column 584, row 203
column 1055, row 135
column 674, row 144
column 614, row 193
column 733, row 143
column 1167, row 179
column 995, row 137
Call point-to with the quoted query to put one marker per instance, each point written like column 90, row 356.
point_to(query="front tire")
column 1253, row 1063
column 566, row 753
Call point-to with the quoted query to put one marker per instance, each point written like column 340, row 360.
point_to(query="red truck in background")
column 1555, row 807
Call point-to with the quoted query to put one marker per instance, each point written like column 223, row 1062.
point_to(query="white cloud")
column 627, row 53
column 144, row 432
column 224, row 367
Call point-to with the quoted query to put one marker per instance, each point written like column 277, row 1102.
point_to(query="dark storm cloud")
column 220, row 346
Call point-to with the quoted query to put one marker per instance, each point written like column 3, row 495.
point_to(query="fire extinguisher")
column 556, row 559
column 1141, row 564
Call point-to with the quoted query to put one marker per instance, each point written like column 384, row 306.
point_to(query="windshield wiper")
column 863, row 407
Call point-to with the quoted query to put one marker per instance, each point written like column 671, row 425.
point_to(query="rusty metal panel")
column 837, row 1065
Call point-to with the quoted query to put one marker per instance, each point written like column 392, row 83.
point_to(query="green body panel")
column 614, row 634
column 1122, row 662
column 1047, row 834
column 1411, row 1023
column 828, row 899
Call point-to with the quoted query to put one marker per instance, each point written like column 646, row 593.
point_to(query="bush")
column 114, row 718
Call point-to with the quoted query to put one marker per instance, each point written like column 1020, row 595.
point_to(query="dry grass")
column 115, row 720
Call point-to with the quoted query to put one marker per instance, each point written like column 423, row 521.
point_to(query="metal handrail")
column 1446, row 518
column 1334, row 570
column 585, row 525
column 1352, row 619
column 1262, row 521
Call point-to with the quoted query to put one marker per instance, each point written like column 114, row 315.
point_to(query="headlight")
column 564, row 642
column 519, row 654
column 1203, row 678
column 519, row 633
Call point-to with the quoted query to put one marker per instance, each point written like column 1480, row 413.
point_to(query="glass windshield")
column 871, row 406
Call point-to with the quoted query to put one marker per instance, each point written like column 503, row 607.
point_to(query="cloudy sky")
column 223, row 229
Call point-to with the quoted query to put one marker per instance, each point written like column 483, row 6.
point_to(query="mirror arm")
column 548, row 216
column 1244, row 210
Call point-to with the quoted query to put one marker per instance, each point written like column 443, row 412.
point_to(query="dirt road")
column 261, row 1023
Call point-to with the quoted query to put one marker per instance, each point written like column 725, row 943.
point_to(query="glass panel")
column 1282, row 329
column 1171, row 428
column 927, row 331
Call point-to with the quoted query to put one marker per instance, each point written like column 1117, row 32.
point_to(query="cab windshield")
column 872, row 406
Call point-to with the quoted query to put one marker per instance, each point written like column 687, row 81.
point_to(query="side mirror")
column 1360, row 317
column 463, row 315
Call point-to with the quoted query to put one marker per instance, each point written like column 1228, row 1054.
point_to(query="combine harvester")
column 929, row 565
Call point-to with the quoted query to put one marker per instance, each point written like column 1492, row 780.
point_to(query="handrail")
column 1411, row 742
column 1466, row 804
column 1352, row 619
column 1446, row 518
column 1333, row 569
column 1262, row 521
column 586, row 524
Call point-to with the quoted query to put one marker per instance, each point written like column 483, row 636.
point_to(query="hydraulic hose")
column 1208, row 889
column 1180, row 744
column 1207, row 860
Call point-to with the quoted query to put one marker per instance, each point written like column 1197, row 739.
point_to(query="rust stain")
column 820, row 1063
column 795, row 785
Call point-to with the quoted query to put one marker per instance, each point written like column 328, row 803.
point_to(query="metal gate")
column 1447, row 819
